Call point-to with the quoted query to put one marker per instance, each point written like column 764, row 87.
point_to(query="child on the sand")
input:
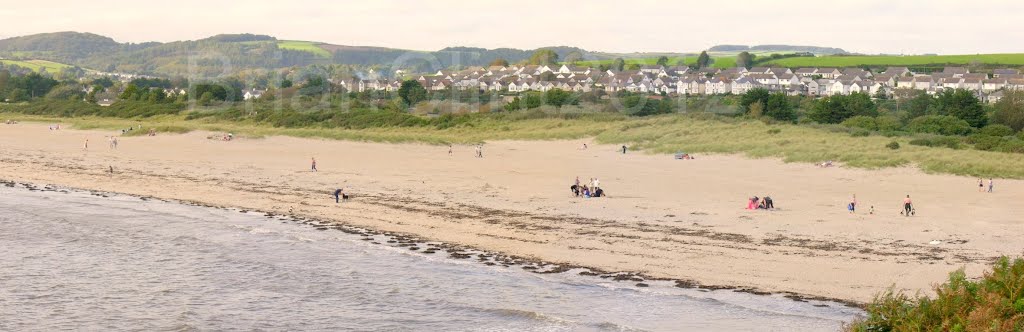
column 314, row 164
column 908, row 206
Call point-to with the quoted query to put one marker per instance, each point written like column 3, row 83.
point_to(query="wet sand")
column 663, row 218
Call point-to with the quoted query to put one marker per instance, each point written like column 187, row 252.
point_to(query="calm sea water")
column 74, row 261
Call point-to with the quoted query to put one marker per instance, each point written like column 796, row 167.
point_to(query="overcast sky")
column 867, row 26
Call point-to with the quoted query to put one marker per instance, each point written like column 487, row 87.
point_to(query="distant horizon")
column 2, row 37
column 642, row 26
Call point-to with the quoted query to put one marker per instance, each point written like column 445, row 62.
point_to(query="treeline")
column 952, row 118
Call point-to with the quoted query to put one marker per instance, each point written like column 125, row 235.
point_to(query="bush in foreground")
column 994, row 303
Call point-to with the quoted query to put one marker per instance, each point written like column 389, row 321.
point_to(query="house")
column 956, row 71
column 779, row 71
column 717, row 85
column 812, row 87
column 743, row 84
column 653, row 69
column 759, row 70
column 806, row 72
column 994, row 84
column 898, row 71
column 994, row 97
column 951, row 83
column 923, row 82
column 997, row 73
column 252, row 94
column 788, row 80
column 839, row 88
column 830, row 73
column 690, row 85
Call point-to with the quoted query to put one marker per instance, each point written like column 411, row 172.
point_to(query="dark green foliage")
column 836, row 109
column 994, row 303
column 412, row 92
column 961, row 104
column 544, row 57
column 952, row 142
column 862, row 122
column 557, row 97
column 1010, row 110
column 703, row 60
column 745, row 60
column 753, row 96
column 662, row 61
column 77, row 108
column 618, row 64
column 939, row 124
column 24, row 87
column 997, row 130
column 894, row 145
column 779, row 108
column 888, row 123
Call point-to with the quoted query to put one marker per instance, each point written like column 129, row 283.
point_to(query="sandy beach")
column 664, row 218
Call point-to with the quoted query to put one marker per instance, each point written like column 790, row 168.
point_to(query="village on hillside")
column 684, row 80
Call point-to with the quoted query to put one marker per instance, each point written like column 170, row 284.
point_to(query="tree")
column 662, row 61
column 618, row 64
column 285, row 83
column 919, row 105
column 745, row 60
column 1010, row 110
column 412, row 92
column 206, row 99
column 556, row 97
column 753, row 96
column 962, row 104
column 130, row 92
column 499, row 62
column 704, row 60
column 573, row 57
column 544, row 57
column 778, row 107
column 838, row 108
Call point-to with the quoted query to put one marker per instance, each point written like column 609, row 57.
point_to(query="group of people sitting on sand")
column 11, row 122
column 765, row 203
column 55, row 127
column 684, row 156
column 825, row 164
column 587, row 191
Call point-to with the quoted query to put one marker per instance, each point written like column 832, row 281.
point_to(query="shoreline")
column 664, row 219
column 455, row 251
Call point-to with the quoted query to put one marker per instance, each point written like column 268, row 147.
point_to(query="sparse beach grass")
column 666, row 134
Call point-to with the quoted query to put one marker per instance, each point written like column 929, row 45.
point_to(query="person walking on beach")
column 449, row 150
column 981, row 186
column 853, row 204
column 989, row 185
column 908, row 206
column 86, row 144
column 314, row 164
column 338, row 195
column 114, row 141
column 623, row 149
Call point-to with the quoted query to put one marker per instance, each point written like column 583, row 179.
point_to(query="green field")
column 1011, row 59
column 304, row 46
column 719, row 62
column 36, row 65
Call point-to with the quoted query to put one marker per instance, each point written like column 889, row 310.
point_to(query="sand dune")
column 664, row 217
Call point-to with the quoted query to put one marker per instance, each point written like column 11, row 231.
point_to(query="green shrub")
column 939, row 124
column 951, row 142
column 860, row 133
column 774, row 131
column 1011, row 145
column 862, row 122
column 994, row 303
column 997, row 130
column 888, row 123
column 985, row 143
column 894, row 145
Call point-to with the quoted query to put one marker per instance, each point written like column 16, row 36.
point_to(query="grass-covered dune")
column 692, row 133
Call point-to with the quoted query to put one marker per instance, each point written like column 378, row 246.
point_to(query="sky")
column 865, row 26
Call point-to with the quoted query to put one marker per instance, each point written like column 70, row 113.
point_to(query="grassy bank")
column 666, row 134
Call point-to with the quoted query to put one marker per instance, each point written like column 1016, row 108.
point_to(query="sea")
column 90, row 261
